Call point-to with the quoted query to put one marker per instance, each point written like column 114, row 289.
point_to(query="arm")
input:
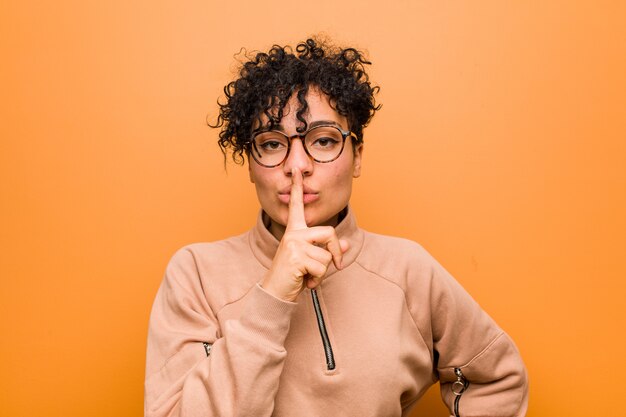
column 468, row 342
column 240, row 375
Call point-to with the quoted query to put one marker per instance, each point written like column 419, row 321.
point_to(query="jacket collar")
column 264, row 244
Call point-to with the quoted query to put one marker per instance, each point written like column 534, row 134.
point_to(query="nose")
column 298, row 158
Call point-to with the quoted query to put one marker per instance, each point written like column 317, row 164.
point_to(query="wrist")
column 277, row 292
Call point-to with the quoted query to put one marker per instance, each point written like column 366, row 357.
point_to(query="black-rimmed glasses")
column 323, row 144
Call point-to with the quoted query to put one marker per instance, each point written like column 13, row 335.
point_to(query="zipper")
column 328, row 350
column 458, row 388
column 207, row 347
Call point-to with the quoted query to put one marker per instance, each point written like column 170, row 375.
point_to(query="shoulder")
column 392, row 243
column 395, row 258
column 408, row 265
column 223, row 269
column 208, row 252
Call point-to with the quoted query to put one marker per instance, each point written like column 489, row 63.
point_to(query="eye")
column 272, row 145
column 270, row 142
column 323, row 139
column 325, row 142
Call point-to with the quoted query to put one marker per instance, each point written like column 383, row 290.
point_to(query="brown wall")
column 500, row 147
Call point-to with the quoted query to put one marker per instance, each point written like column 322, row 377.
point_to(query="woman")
column 307, row 314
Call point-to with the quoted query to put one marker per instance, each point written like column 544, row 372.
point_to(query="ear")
column 358, row 156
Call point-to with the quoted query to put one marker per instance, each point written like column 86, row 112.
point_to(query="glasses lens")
column 270, row 148
column 324, row 143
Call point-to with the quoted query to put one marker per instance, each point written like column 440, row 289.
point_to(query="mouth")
column 309, row 195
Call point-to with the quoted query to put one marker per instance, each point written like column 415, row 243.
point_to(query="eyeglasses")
column 323, row 144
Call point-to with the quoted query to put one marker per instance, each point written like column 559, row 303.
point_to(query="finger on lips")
column 325, row 237
column 296, row 218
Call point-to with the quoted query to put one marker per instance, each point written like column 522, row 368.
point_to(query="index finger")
column 296, row 219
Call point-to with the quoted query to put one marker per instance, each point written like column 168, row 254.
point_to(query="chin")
column 312, row 217
column 320, row 219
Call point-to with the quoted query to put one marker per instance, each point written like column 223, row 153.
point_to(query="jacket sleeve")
column 194, row 367
column 480, row 370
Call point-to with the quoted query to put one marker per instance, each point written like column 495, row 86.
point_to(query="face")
column 327, row 186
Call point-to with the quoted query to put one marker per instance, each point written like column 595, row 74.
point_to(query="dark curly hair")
column 267, row 81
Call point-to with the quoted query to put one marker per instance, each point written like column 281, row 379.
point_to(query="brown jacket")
column 377, row 335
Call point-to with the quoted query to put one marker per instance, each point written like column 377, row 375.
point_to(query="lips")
column 309, row 195
column 305, row 188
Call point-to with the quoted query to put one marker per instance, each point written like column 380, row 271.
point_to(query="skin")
column 303, row 199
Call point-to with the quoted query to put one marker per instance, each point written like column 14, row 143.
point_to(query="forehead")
column 319, row 111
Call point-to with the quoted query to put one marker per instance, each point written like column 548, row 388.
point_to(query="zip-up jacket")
column 368, row 342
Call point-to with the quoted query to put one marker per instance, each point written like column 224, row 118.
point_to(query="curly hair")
column 267, row 81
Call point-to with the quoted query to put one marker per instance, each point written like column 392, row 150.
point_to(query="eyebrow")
column 315, row 123
column 324, row 123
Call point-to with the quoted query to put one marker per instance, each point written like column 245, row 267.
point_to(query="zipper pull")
column 207, row 347
column 458, row 388
column 460, row 385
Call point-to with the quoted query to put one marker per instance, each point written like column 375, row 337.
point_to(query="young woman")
column 307, row 314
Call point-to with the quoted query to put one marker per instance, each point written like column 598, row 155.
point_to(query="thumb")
column 344, row 245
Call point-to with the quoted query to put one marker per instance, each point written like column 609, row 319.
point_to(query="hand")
column 304, row 253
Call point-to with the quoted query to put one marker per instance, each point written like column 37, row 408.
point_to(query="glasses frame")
column 301, row 136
